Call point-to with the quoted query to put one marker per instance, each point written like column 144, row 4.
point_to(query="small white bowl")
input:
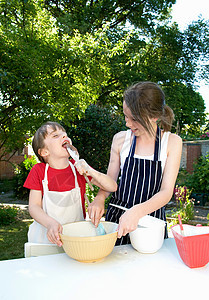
column 150, row 237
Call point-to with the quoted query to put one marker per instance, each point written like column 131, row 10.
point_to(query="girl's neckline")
column 60, row 169
column 149, row 157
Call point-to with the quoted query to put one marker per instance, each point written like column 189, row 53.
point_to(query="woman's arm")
column 37, row 213
column 96, row 208
column 129, row 220
column 103, row 181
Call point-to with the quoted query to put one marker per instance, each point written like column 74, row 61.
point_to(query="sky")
column 183, row 13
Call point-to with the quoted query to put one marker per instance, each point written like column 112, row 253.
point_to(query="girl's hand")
column 128, row 222
column 96, row 211
column 53, row 230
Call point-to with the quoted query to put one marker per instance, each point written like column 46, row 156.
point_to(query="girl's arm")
column 129, row 220
column 37, row 213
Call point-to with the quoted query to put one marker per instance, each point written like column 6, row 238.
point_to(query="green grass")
column 12, row 239
column 14, row 235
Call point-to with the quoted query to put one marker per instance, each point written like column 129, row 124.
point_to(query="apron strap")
column 133, row 146
column 74, row 172
column 157, row 145
column 45, row 181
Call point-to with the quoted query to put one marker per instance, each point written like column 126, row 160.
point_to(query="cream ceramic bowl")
column 81, row 242
column 149, row 236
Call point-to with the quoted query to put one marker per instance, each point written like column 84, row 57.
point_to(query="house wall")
column 7, row 168
column 191, row 151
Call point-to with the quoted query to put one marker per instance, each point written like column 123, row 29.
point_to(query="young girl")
column 57, row 189
column 148, row 158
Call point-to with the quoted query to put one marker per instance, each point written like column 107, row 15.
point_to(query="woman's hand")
column 53, row 230
column 82, row 167
column 96, row 210
column 128, row 221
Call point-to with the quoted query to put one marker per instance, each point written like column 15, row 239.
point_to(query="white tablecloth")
column 124, row 274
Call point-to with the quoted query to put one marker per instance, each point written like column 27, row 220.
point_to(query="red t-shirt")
column 59, row 180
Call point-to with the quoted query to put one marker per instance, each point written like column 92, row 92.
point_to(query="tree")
column 195, row 56
column 54, row 69
column 26, row 64
column 92, row 134
column 89, row 16
column 188, row 106
column 162, row 59
column 43, row 77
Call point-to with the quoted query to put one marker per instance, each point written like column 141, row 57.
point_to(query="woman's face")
column 135, row 126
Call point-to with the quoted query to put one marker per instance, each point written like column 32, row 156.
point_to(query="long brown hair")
column 147, row 100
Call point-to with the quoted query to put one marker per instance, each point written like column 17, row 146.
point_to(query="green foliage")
column 92, row 135
column 198, row 181
column 92, row 194
column 26, row 50
column 184, row 205
column 7, row 214
column 22, row 172
column 182, row 176
column 6, row 185
column 58, row 57
column 89, row 16
column 188, row 107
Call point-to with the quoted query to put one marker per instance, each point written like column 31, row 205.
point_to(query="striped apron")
column 140, row 180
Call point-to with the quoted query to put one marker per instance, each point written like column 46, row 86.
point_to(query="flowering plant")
column 205, row 136
column 180, row 193
column 185, row 205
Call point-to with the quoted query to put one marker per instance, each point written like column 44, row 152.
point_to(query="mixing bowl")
column 193, row 246
column 81, row 242
column 149, row 236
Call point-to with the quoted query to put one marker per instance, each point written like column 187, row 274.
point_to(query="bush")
column 198, row 181
column 6, row 185
column 182, row 176
column 92, row 135
column 7, row 214
column 205, row 136
column 22, row 172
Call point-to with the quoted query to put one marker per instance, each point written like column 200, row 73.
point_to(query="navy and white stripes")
column 140, row 180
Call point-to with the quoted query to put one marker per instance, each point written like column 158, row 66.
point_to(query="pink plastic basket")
column 193, row 249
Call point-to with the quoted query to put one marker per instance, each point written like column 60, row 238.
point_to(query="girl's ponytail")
column 166, row 118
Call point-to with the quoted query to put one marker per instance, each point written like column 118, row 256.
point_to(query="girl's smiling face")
column 135, row 126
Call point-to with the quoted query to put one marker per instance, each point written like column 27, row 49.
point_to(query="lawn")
column 14, row 236
column 12, row 240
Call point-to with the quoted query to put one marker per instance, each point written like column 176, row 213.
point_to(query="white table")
column 124, row 274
